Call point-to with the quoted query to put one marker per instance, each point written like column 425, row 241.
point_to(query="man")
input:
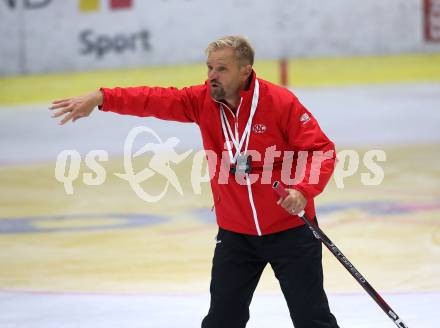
column 254, row 128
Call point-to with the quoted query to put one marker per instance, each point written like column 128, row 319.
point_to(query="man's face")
column 225, row 75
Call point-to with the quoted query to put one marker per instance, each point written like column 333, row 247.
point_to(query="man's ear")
column 247, row 71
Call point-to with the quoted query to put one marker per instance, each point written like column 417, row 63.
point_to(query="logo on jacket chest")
column 259, row 128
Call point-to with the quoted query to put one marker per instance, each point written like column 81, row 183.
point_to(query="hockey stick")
column 319, row 234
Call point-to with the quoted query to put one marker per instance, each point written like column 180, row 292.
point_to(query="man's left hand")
column 294, row 203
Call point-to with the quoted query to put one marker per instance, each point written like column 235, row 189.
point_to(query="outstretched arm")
column 75, row 108
column 168, row 103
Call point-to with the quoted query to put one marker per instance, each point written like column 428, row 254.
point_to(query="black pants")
column 239, row 260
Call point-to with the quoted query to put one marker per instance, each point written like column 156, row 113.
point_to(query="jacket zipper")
column 249, row 187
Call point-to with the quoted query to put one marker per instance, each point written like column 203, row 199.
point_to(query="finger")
column 77, row 117
column 60, row 105
column 291, row 211
column 61, row 112
column 280, row 199
column 60, row 100
column 66, row 118
column 287, row 203
column 284, row 201
column 295, row 206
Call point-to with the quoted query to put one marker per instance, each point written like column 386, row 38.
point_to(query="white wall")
column 48, row 39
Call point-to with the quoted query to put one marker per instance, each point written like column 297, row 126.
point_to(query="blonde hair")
column 244, row 52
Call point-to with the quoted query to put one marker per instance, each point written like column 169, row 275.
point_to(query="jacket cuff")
column 105, row 107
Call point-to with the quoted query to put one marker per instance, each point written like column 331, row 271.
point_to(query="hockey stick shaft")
column 319, row 234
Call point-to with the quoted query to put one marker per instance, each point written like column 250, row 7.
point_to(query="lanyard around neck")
column 227, row 131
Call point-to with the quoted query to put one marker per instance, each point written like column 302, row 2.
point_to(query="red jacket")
column 280, row 120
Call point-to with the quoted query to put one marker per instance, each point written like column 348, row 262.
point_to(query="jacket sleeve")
column 164, row 103
column 305, row 135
